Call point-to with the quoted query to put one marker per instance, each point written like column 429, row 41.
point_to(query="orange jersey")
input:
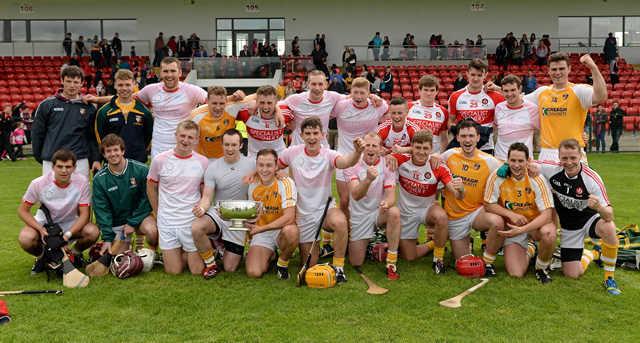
column 279, row 195
column 211, row 129
column 474, row 173
column 527, row 197
column 562, row 112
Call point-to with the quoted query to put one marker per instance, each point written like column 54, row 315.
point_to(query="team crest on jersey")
column 527, row 190
column 225, row 122
column 83, row 111
column 404, row 136
column 476, row 166
column 300, row 161
column 133, row 181
column 275, row 194
column 565, row 96
column 579, row 190
column 416, row 175
column 485, row 101
column 438, row 115
column 48, row 194
column 169, row 165
column 138, row 118
column 427, row 175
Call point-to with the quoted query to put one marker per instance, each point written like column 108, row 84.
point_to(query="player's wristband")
column 68, row 234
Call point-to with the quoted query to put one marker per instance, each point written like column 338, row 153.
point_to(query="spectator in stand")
column 25, row 117
column 524, row 44
column 516, row 54
column 406, row 42
column 335, row 72
column 194, row 42
column 433, row 45
column 132, row 53
column 348, row 79
column 106, row 52
column 201, row 52
column 377, row 42
column 290, row 90
column 531, row 83
column 88, row 73
column 80, row 48
column 297, row 84
column 172, row 46
column 295, row 50
column 99, row 86
column 460, row 82
column 18, row 139
column 336, row 86
column 547, row 43
column 181, row 43
column 323, row 43
column 613, row 71
column 375, row 86
column 66, row 44
column 159, row 50
column 316, row 41
column 280, row 90
column 610, row 48
column 616, row 124
column 116, row 45
column 480, row 41
column 542, row 51
column 140, row 81
column 318, row 56
column 215, row 53
column 533, row 45
column 124, row 64
column 6, row 128
column 183, row 53
column 345, row 54
column 388, row 81
column 385, row 49
column 352, row 61
column 96, row 55
column 109, row 87
column 600, row 120
column 370, row 75
column 413, row 48
column 501, row 54
column 294, row 42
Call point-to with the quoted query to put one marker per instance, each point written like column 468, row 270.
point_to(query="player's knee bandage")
column 233, row 248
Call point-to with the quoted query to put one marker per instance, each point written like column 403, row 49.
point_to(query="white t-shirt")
column 179, row 180
column 376, row 193
column 515, row 125
column 169, row 108
column 355, row 122
column 312, row 175
column 62, row 202
column 299, row 108
column 226, row 178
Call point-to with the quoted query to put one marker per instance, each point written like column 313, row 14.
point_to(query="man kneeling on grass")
column 276, row 228
column 66, row 195
column 526, row 206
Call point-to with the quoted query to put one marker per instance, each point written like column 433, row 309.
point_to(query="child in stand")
column 18, row 139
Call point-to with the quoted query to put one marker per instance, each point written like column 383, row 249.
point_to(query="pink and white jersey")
column 479, row 106
column 418, row 184
column 169, row 108
column 179, row 180
column 376, row 193
column 312, row 175
column 431, row 118
column 355, row 122
column 390, row 136
column 298, row 107
column 515, row 125
column 262, row 133
column 62, row 202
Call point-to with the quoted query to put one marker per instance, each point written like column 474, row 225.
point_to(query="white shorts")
column 158, row 147
column 521, row 239
column 574, row 239
column 552, row 155
column 363, row 227
column 461, row 227
column 411, row 223
column 267, row 239
column 174, row 238
column 82, row 167
column 236, row 237
column 340, row 175
column 308, row 224
column 118, row 231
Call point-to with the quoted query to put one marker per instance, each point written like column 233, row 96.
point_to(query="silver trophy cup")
column 239, row 211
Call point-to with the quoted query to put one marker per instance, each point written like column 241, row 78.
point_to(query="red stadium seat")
column 624, row 102
column 27, row 97
column 618, row 86
column 630, row 86
column 408, row 96
column 406, row 88
column 40, row 97
column 629, row 122
column 626, row 94
column 405, row 81
column 16, row 97
column 635, row 101
column 615, row 94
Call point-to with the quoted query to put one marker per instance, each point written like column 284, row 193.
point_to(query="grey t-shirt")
column 226, row 179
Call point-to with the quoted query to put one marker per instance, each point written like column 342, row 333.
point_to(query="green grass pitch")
column 156, row 307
